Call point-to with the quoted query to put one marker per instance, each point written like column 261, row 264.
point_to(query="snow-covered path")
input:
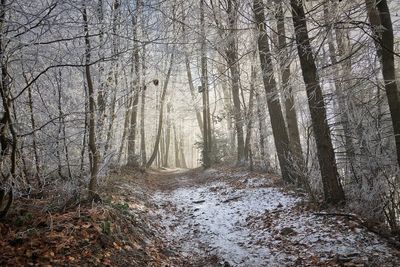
column 235, row 219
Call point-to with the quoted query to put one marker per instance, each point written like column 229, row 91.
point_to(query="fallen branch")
column 231, row 199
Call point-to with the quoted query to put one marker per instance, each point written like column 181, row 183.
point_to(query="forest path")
column 238, row 218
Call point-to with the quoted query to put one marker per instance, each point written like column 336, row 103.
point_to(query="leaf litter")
column 217, row 217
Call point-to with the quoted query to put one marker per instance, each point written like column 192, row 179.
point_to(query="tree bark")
column 205, row 96
column 290, row 109
column 114, row 76
column 160, row 117
column 386, row 42
column 93, row 153
column 142, row 110
column 167, row 136
column 177, row 161
column 274, row 107
column 132, row 157
column 250, row 114
column 191, row 84
column 125, row 130
column 192, row 93
column 339, row 86
column 232, row 60
column 333, row 190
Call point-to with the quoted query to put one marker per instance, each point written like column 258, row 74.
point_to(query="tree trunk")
column 261, row 129
column 274, row 107
column 84, row 138
column 205, row 96
column 93, row 153
column 388, row 70
column 250, row 114
column 125, row 130
column 339, row 86
column 191, row 84
column 6, row 123
column 177, row 161
column 232, row 60
column 192, row 93
column 114, row 76
column 160, row 118
column 101, row 94
column 132, row 158
column 290, row 109
column 167, row 136
column 181, row 148
column 375, row 22
column 142, row 110
column 34, row 140
column 333, row 190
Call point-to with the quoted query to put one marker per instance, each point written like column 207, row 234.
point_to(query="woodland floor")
column 217, row 217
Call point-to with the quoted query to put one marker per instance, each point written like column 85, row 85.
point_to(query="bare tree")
column 93, row 152
column 326, row 156
column 275, row 112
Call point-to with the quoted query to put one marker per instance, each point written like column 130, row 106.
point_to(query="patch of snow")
column 256, row 226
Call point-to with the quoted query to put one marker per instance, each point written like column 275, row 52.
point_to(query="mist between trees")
column 306, row 89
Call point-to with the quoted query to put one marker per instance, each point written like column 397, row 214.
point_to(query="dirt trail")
column 238, row 218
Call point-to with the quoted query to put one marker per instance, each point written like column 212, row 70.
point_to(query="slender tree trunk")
column 375, row 22
column 84, row 135
column 192, row 93
column 228, row 107
column 250, row 114
column 132, row 158
column 162, row 148
column 6, row 123
column 101, row 94
column 290, row 109
column 62, row 123
column 182, row 153
column 167, row 136
column 93, row 153
column 177, row 161
column 205, row 96
column 125, row 130
column 344, row 118
column 261, row 129
column 115, row 74
column 160, row 118
column 232, row 59
column 192, row 89
column 386, row 42
column 34, row 140
column 274, row 107
column 333, row 190
column 142, row 110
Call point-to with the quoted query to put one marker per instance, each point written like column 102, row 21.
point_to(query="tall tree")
column 205, row 94
column 114, row 75
column 274, row 107
column 290, row 108
column 93, row 152
column 135, row 90
column 333, row 190
column 233, row 63
column 161, row 115
column 6, row 122
column 340, row 70
column 386, row 48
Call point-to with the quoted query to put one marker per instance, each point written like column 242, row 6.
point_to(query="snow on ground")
column 246, row 223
